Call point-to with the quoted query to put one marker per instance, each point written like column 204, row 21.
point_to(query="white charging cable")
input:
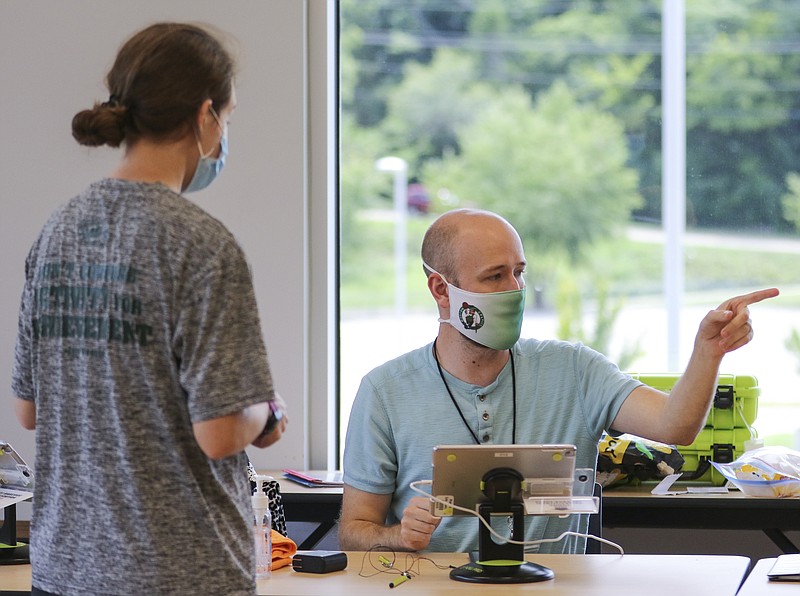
column 415, row 487
column 740, row 408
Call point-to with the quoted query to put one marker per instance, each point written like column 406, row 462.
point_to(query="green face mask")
column 492, row 319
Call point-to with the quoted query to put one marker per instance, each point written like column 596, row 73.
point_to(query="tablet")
column 786, row 568
column 16, row 477
column 548, row 470
column 14, row 472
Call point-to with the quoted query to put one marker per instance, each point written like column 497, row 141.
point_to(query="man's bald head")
column 457, row 231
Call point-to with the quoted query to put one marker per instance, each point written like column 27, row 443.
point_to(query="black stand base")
column 502, row 572
column 12, row 552
column 15, row 555
column 501, row 563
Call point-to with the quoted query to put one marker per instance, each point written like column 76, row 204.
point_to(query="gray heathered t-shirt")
column 138, row 318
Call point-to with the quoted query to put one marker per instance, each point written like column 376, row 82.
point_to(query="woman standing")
column 139, row 358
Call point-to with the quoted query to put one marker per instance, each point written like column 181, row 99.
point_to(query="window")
column 550, row 113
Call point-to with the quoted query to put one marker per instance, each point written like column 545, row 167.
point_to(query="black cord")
column 514, row 398
column 460, row 413
column 388, row 564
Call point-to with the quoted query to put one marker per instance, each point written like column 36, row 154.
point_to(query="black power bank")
column 319, row 561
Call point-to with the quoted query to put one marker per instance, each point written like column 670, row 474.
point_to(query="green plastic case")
column 727, row 426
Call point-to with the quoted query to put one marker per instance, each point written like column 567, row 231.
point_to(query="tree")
column 792, row 344
column 791, row 200
column 743, row 67
column 557, row 170
column 360, row 184
column 433, row 102
column 569, row 303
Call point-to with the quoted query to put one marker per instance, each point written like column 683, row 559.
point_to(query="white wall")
column 272, row 195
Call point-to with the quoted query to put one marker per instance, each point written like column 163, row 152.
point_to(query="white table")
column 585, row 575
column 758, row 584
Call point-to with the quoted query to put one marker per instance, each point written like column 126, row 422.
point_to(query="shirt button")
column 486, row 416
column 485, row 438
column 482, row 397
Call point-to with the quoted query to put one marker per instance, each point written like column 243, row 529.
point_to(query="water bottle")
column 262, row 530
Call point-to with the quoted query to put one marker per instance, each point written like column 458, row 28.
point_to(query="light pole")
column 398, row 167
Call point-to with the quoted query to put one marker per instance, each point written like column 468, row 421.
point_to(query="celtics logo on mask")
column 491, row 319
column 470, row 316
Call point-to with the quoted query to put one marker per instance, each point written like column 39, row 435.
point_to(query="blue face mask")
column 208, row 168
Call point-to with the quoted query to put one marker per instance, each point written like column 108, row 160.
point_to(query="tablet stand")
column 502, row 563
column 11, row 551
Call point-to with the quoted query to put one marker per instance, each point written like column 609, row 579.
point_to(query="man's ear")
column 439, row 290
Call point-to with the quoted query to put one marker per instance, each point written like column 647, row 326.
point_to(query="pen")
column 403, row 578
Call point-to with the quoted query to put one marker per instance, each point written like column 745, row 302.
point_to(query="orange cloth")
column 283, row 549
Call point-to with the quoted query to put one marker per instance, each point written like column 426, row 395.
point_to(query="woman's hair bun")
column 102, row 125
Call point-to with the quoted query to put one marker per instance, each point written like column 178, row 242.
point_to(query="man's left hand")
column 728, row 327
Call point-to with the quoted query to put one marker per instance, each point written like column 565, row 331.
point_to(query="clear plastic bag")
column 765, row 472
